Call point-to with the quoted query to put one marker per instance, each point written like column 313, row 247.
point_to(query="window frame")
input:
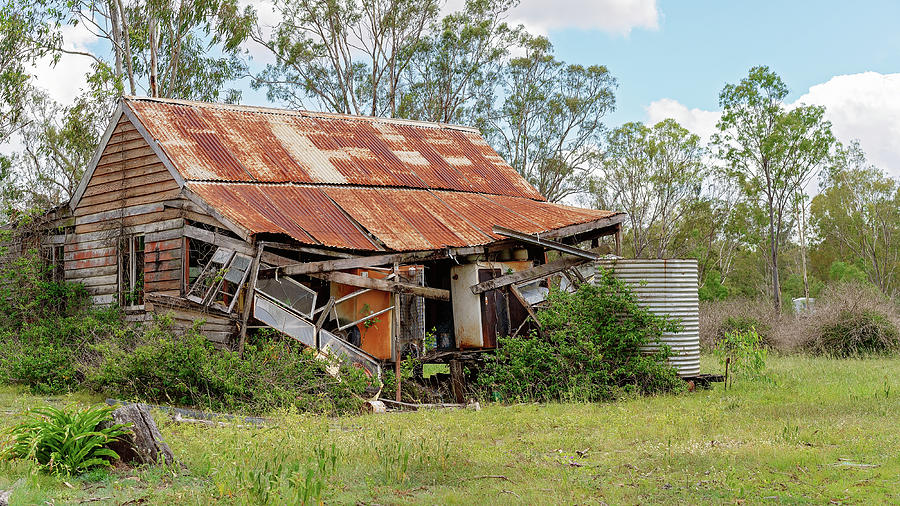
column 130, row 248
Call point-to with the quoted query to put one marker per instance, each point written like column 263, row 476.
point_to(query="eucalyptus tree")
column 655, row 174
column 347, row 55
column 21, row 28
column 771, row 150
column 858, row 212
column 454, row 73
column 549, row 120
column 188, row 49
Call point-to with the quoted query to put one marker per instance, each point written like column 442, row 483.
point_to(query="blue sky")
column 701, row 45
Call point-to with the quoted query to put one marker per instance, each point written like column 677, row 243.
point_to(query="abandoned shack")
column 350, row 234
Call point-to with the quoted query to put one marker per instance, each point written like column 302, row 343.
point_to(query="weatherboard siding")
column 126, row 195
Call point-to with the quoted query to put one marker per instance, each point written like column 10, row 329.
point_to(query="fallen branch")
column 474, row 405
column 488, row 476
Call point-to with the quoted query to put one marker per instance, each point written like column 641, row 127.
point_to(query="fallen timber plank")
column 580, row 228
column 355, row 263
column 380, row 284
column 544, row 243
column 538, row 272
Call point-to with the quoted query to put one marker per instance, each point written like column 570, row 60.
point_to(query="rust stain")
column 346, row 181
column 214, row 142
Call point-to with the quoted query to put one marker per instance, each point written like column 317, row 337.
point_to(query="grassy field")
column 820, row 431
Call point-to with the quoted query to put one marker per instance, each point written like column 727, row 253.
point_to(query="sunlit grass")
column 820, row 430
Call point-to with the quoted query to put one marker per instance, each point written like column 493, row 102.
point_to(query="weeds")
column 590, row 349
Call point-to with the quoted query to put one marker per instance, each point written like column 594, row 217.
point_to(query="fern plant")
column 64, row 442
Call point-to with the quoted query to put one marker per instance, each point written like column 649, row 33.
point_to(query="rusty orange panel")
column 319, row 216
column 302, row 213
column 216, row 142
column 407, row 219
column 485, row 213
column 549, row 216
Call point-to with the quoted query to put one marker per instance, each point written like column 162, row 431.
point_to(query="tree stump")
column 143, row 444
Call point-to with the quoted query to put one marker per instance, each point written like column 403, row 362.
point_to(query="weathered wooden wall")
column 126, row 196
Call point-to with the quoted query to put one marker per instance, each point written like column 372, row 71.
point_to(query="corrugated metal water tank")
column 667, row 287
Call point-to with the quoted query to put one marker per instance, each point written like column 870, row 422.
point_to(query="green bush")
column 590, row 349
column 744, row 351
column 63, row 442
column 54, row 342
column 187, row 370
column 51, row 354
column 857, row 334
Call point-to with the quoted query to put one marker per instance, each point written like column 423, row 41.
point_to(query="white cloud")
column 862, row 106
column 698, row 121
column 64, row 80
column 866, row 107
column 617, row 17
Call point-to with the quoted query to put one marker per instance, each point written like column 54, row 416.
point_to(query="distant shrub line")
column 848, row 319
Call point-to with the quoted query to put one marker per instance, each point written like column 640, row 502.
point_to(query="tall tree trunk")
column 117, row 36
column 803, row 247
column 773, row 239
column 154, row 85
column 127, row 39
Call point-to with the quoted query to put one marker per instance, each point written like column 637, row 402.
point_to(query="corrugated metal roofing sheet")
column 214, row 142
column 401, row 219
column 348, row 182
column 303, row 213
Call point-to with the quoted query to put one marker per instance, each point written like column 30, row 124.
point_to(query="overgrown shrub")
column 589, row 350
column 187, row 370
column 856, row 334
column 717, row 318
column 64, row 442
column 54, row 342
column 850, row 319
column 52, row 354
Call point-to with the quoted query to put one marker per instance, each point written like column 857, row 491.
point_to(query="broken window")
column 131, row 270
column 54, row 263
column 221, row 279
column 197, row 254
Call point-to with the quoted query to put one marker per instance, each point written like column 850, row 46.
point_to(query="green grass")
column 822, row 430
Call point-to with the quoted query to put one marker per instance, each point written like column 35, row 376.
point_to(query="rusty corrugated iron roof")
column 402, row 219
column 229, row 143
column 345, row 181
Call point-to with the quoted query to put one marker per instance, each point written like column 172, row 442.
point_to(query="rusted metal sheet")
column 407, row 219
column 303, row 213
column 547, row 215
column 401, row 219
column 213, row 142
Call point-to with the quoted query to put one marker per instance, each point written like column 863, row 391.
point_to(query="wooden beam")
column 521, row 298
column 248, row 299
column 457, row 381
column 584, row 227
column 218, row 239
column 538, row 272
column 272, row 259
column 544, row 242
column 358, row 262
column 385, row 286
column 619, row 240
column 308, row 249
